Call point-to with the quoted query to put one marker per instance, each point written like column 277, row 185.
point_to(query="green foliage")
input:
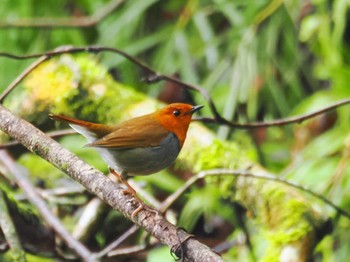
column 200, row 202
column 162, row 180
column 40, row 169
column 23, row 209
column 207, row 158
column 25, row 220
column 160, row 254
column 259, row 61
column 76, row 144
column 284, row 228
column 33, row 258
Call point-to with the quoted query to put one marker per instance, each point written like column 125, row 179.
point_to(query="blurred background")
column 259, row 60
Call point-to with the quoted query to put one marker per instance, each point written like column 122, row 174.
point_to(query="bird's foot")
column 178, row 249
column 130, row 191
column 142, row 206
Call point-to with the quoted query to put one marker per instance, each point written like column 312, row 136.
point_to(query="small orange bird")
column 141, row 145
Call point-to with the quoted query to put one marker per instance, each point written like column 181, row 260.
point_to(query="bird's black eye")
column 176, row 112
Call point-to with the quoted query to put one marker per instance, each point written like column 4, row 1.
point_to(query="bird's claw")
column 141, row 206
column 177, row 249
column 130, row 191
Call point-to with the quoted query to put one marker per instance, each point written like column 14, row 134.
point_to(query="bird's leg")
column 123, row 179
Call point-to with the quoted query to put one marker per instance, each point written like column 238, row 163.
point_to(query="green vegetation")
column 259, row 61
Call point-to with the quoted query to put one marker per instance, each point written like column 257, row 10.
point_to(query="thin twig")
column 154, row 76
column 49, row 22
column 28, row 70
column 51, row 219
column 245, row 173
column 61, row 191
column 127, row 250
column 277, row 122
column 239, row 240
column 132, row 230
column 21, row 77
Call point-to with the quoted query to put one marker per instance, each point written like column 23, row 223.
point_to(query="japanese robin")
column 140, row 146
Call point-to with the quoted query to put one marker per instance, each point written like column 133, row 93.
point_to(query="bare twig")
column 240, row 240
column 277, row 122
column 127, row 250
column 48, row 22
column 21, row 77
column 61, row 191
column 95, row 211
column 107, row 250
column 51, row 219
column 42, row 58
column 98, row 184
column 245, row 173
column 154, row 76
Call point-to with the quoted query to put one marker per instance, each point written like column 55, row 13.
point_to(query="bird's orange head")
column 176, row 118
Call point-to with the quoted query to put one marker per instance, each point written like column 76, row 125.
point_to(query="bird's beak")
column 194, row 109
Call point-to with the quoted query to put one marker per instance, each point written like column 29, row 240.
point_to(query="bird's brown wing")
column 137, row 132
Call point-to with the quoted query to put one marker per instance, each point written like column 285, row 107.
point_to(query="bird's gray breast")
column 143, row 160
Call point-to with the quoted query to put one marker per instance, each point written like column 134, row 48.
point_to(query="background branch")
column 53, row 134
column 118, row 241
column 245, row 173
column 49, row 22
column 48, row 216
column 154, row 76
column 22, row 76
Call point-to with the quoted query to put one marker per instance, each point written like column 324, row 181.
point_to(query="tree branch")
column 95, row 182
column 118, row 241
column 48, row 22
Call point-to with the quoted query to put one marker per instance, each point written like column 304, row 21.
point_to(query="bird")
column 139, row 146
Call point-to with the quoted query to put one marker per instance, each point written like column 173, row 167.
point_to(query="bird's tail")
column 91, row 131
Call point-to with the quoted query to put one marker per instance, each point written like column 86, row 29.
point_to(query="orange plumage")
column 139, row 146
